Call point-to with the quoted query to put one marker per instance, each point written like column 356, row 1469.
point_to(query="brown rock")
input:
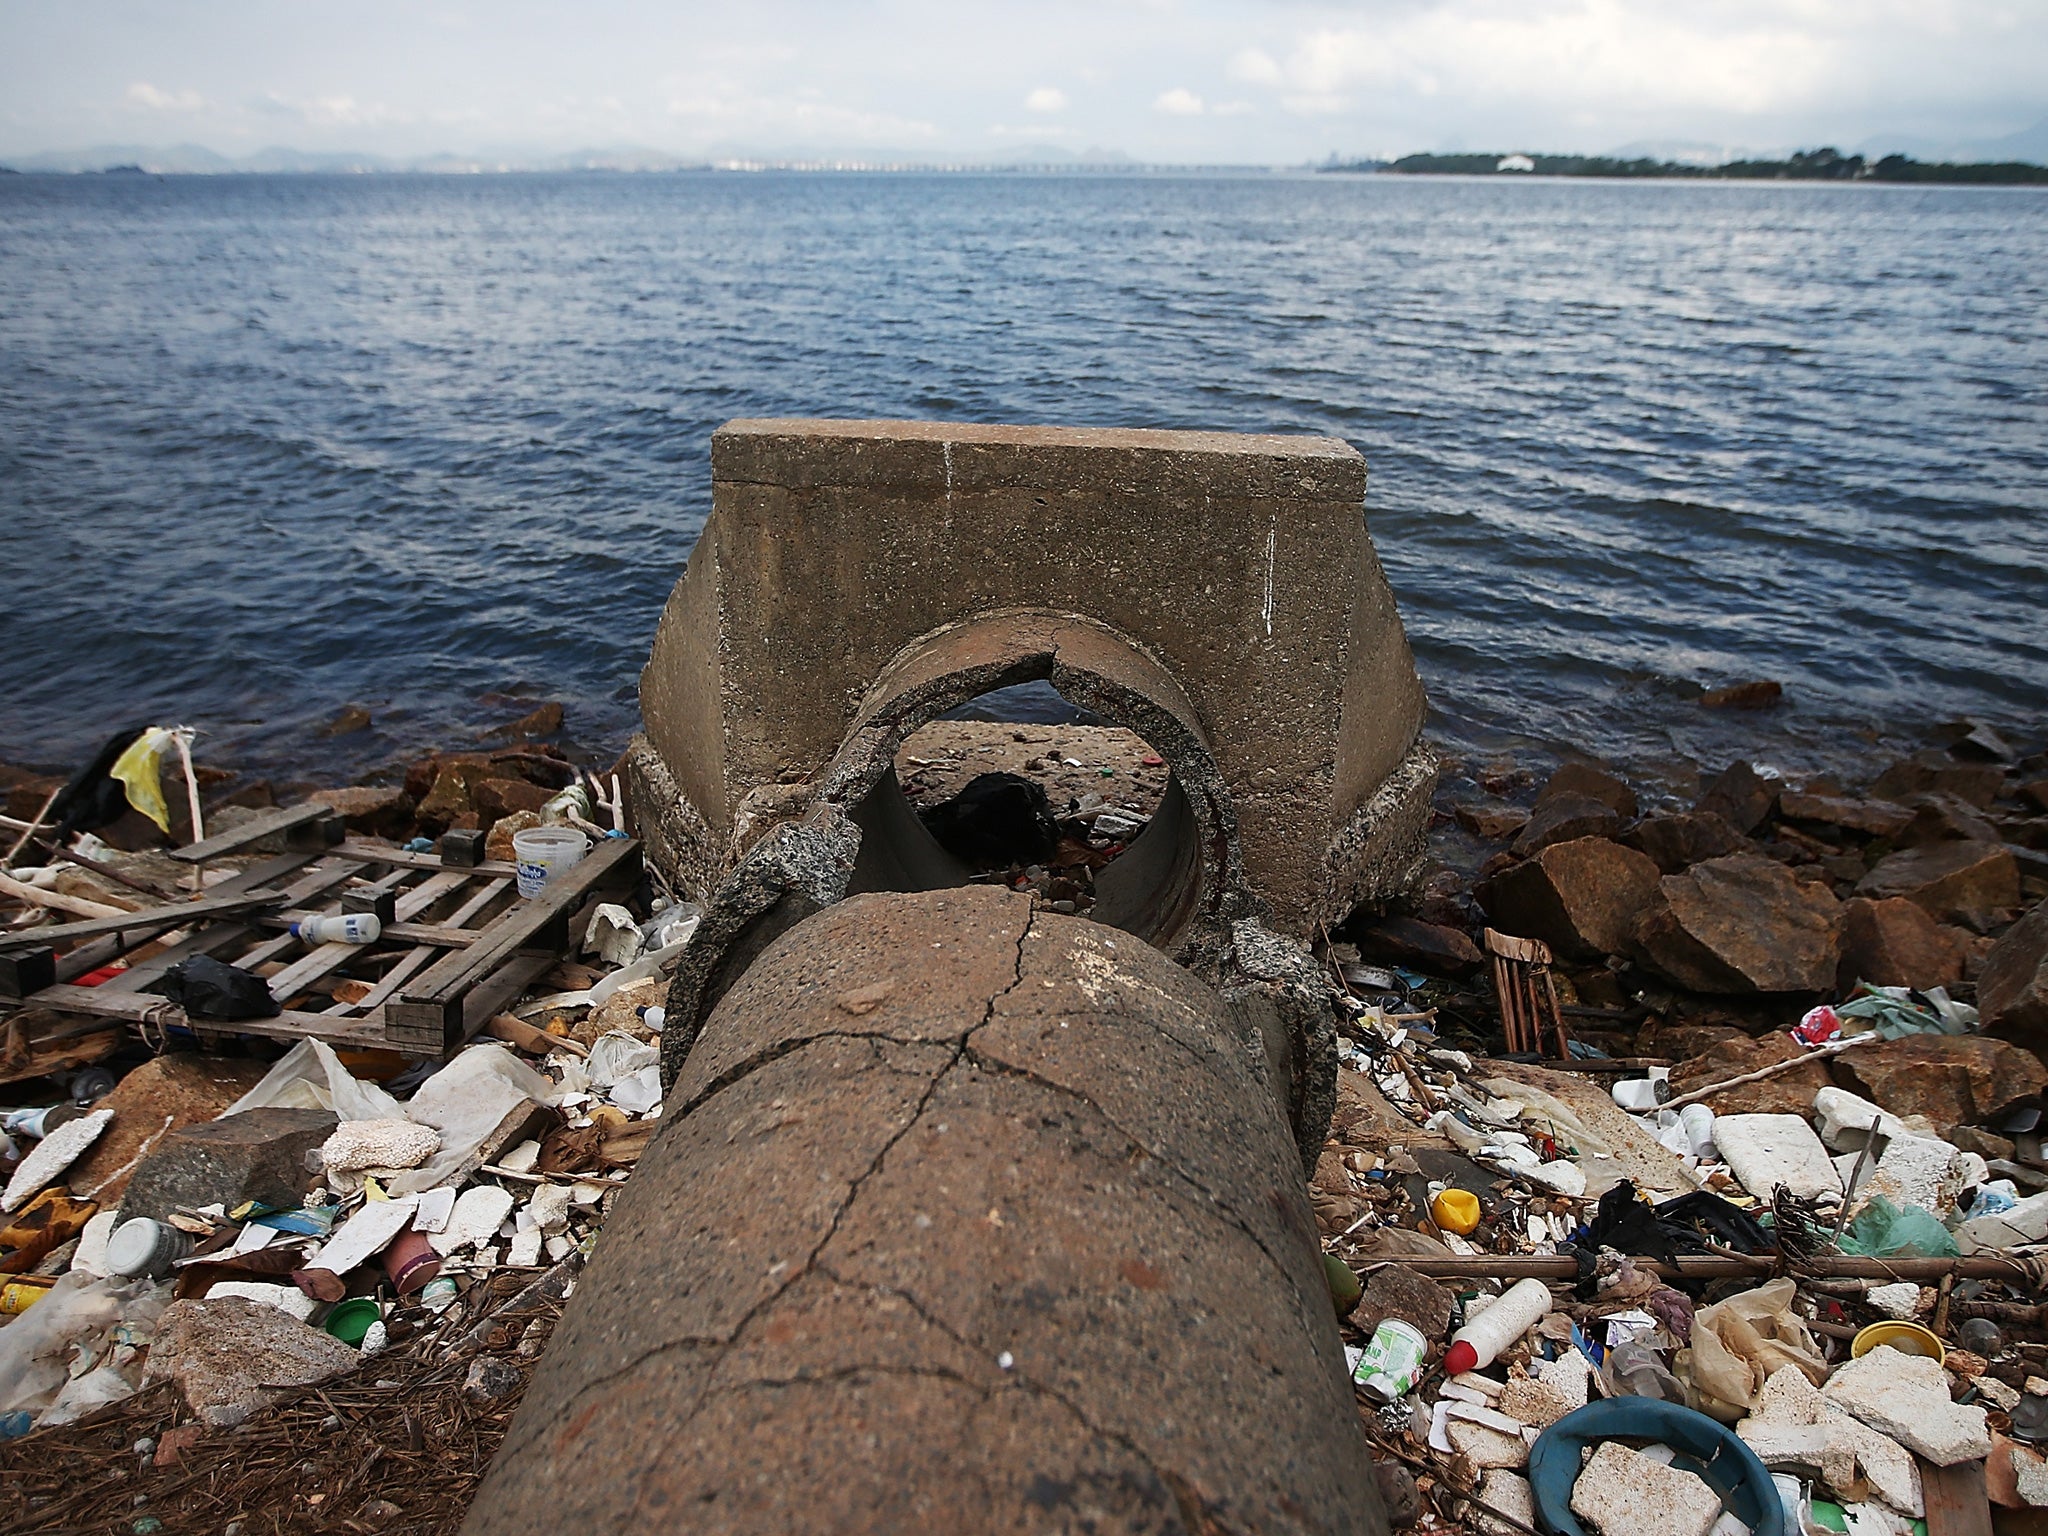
column 1594, row 783
column 2012, row 989
column 1676, row 843
column 544, row 721
column 1427, row 947
column 1944, row 818
column 352, row 718
column 1789, row 1093
column 1951, row 1079
column 1398, row 1493
column 1582, row 898
column 453, row 794
column 1564, row 817
column 24, row 793
column 1762, row 693
column 1974, row 1138
column 1925, row 772
column 501, row 797
column 1490, row 819
column 2035, row 793
column 1948, row 879
column 233, row 1356
column 1677, row 1040
column 1873, row 818
column 1742, row 924
column 1741, row 796
column 1894, row 943
column 158, row 1097
column 1396, row 1292
column 499, row 844
column 379, row 812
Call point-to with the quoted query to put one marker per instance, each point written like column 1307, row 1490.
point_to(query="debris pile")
column 210, row 1222
column 1773, row 1219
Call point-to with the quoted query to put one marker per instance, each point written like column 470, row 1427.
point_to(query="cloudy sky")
column 1162, row 80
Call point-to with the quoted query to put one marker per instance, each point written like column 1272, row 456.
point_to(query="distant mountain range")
column 198, row 160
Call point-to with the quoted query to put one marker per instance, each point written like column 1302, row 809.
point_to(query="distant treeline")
column 1807, row 165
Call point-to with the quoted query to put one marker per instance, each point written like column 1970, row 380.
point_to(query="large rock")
column 1427, row 947
column 380, row 812
column 1873, row 818
column 1789, row 1093
column 1949, row 879
column 233, row 1356
column 2012, row 989
column 157, row 1098
column 1593, row 783
column 1937, row 772
column 1894, row 943
column 259, row 1154
column 1742, row 924
column 1951, row 1079
column 1562, row 818
column 1940, row 818
column 1679, row 842
column 1582, row 898
column 1741, row 796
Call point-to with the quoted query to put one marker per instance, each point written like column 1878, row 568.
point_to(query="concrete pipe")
column 964, row 1217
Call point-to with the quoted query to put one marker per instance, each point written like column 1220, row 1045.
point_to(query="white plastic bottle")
column 347, row 928
column 1481, row 1340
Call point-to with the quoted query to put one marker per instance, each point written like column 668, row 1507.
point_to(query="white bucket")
column 543, row 853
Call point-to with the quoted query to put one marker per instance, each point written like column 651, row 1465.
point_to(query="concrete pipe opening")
column 1022, row 788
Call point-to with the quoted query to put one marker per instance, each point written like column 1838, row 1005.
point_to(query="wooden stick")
column 1822, row 1054
column 182, row 737
column 57, row 901
column 22, row 841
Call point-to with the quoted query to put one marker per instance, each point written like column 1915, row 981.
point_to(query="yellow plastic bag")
column 140, row 772
column 1737, row 1343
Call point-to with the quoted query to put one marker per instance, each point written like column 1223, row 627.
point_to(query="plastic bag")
column 208, row 989
column 467, row 1101
column 35, row 1346
column 1737, row 1343
column 1882, row 1231
column 311, row 1076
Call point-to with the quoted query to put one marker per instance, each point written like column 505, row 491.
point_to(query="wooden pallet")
column 458, row 944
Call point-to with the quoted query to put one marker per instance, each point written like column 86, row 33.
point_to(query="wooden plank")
column 410, row 964
column 284, row 819
column 1957, row 1504
column 149, row 919
column 324, row 959
column 146, row 1008
column 314, row 878
column 378, row 853
column 433, row 1005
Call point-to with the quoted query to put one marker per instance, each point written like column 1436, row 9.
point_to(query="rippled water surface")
column 273, row 445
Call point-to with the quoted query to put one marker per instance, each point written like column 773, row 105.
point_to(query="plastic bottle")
column 1698, row 1121
column 1481, row 1340
column 346, row 928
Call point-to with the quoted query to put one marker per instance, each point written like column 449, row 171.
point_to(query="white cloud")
column 1255, row 66
column 1047, row 98
column 143, row 94
column 1232, row 109
column 1178, row 102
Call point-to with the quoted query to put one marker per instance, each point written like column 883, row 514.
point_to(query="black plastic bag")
column 207, row 989
column 998, row 820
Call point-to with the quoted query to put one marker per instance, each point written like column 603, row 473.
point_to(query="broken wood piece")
column 1834, row 1048
column 286, row 819
column 56, row 901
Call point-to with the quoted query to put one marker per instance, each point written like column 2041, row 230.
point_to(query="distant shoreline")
column 1807, row 165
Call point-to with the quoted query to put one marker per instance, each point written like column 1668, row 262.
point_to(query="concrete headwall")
column 1239, row 567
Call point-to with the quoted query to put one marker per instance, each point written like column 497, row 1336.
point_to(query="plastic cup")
column 1906, row 1338
column 543, row 853
column 351, row 1319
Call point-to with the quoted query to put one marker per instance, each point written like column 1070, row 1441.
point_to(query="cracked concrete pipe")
column 961, row 1218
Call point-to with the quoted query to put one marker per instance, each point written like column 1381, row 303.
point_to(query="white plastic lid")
column 132, row 1246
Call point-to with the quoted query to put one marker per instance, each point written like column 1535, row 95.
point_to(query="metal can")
column 1386, row 1372
column 20, row 1292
